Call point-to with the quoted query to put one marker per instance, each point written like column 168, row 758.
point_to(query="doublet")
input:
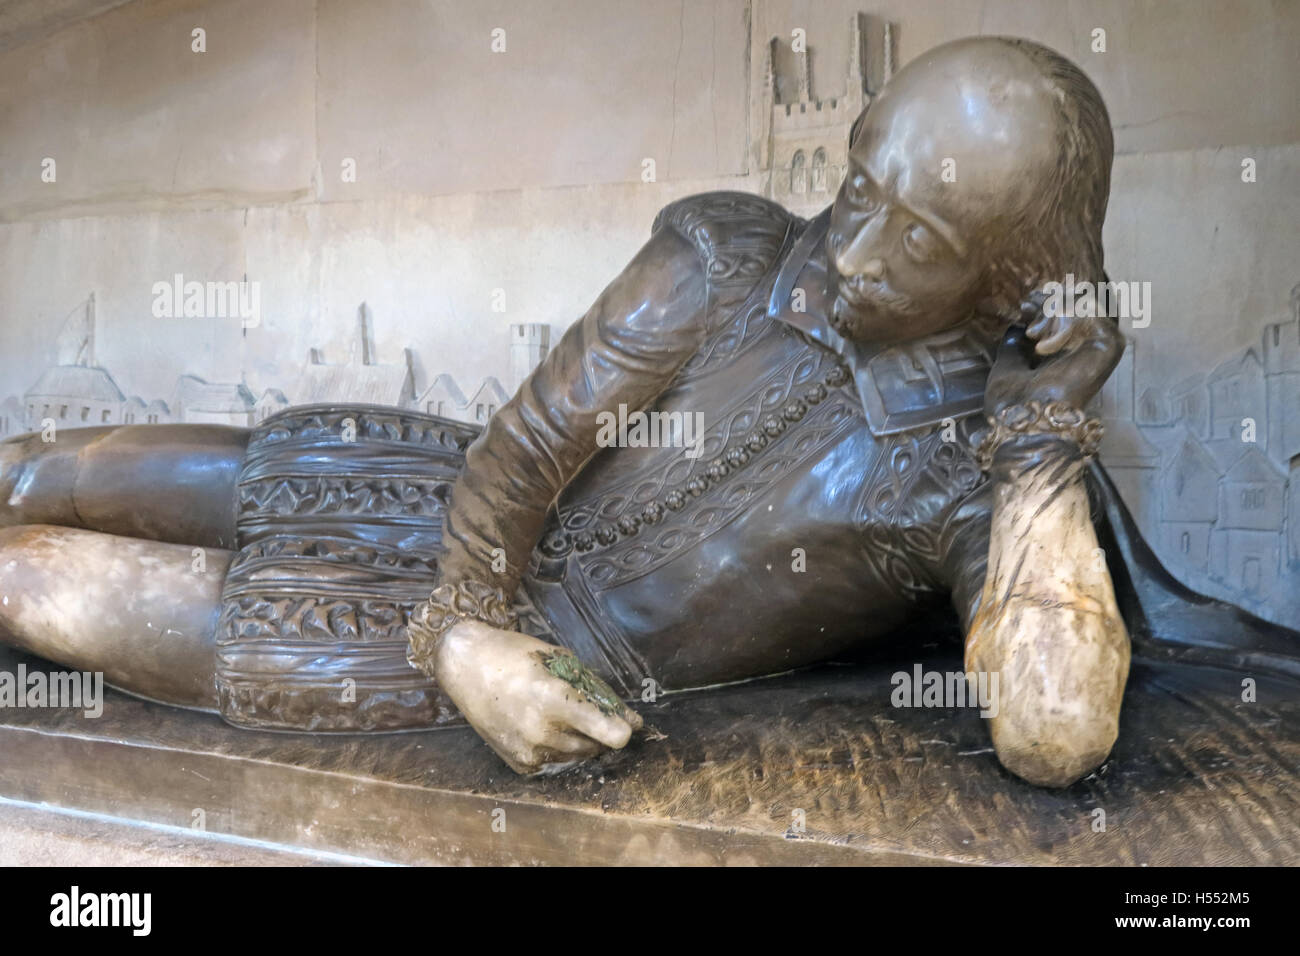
column 836, row 491
column 816, row 517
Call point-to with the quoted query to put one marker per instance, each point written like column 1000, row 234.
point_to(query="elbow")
column 1054, row 749
column 1061, row 678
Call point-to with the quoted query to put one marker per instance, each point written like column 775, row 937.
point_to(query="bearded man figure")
column 881, row 393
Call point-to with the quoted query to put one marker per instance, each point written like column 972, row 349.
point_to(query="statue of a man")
column 891, row 426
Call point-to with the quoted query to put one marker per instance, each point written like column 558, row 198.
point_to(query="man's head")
column 980, row 172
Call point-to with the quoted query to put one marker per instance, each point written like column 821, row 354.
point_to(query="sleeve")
column 1038, row 470
column 964, row 551
column 626, row 350
column 1048, row 624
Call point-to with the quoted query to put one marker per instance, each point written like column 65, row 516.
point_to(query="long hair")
column 1060, row 232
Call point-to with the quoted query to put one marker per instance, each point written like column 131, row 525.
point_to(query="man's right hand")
column 535, row 721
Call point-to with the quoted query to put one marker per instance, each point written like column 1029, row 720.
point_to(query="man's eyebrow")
column 941, row 229
column 937, row 225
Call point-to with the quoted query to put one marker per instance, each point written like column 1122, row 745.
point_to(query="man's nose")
column 857, row 256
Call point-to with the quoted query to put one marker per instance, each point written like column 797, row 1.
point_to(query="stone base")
column 33, row 836
column 1198, row 777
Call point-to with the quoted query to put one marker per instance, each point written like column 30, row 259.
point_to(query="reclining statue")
column 894, row 438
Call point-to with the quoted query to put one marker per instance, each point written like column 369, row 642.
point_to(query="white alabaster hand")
column 532, row 702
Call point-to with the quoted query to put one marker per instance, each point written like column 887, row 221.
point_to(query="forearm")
column 1042, row 546
column 626, row 350
column 1048, row 624
column 539, row 440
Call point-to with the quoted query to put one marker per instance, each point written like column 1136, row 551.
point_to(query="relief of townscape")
column 76, row 392
column 1210, row 466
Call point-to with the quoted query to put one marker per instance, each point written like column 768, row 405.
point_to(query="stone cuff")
column 449, row 603
column 1033, row 418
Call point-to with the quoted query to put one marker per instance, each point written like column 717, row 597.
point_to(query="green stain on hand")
column 578, row 676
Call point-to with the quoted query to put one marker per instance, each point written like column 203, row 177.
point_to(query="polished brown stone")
column 1197, row 777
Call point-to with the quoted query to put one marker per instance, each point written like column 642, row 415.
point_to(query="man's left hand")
column 1053, row 359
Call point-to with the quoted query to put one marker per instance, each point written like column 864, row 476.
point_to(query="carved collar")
column 905, row 386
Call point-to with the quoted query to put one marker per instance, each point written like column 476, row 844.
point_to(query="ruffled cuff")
column 449, row 603
column 1026, row 428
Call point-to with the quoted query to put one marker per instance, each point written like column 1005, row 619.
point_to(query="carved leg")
column 159, row 482
column 142, row 612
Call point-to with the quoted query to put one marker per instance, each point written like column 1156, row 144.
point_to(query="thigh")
column 159, row 482
column 340, row 536
column 143, row 613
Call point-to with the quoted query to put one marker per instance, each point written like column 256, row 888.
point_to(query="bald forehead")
column 986, row 107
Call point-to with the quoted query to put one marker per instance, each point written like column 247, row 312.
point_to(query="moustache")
column 853, row 307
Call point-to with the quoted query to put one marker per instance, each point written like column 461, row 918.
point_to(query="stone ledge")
column 1198, row 777
column 37, row 836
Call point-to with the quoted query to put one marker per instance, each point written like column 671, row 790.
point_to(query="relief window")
column 799, row 173
column 819, row 171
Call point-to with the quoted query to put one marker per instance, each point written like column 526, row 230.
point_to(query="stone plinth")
column 1198, row 777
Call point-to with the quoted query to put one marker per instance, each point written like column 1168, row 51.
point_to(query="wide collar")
column 902, row 387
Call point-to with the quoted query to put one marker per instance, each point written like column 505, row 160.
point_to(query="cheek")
column 934, row 283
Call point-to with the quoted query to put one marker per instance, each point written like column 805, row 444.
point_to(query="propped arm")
column 1046, row 621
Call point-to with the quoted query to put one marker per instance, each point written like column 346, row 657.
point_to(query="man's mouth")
column 878, row 305
column 842, row 288
column 846, row 295
column 847, row 313
column 855, row 311
column 849, row 303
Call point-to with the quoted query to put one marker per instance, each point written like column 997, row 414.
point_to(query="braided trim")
column 1039, row 418
column 448, row 604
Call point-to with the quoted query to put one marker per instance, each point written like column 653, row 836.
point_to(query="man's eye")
column 920, row 243
column 861, row 193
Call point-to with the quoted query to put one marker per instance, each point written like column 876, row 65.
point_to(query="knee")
column 27, row 558
column 37, row 479
column 15, row 459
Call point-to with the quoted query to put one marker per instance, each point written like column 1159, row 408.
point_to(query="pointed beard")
column 883, row 316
